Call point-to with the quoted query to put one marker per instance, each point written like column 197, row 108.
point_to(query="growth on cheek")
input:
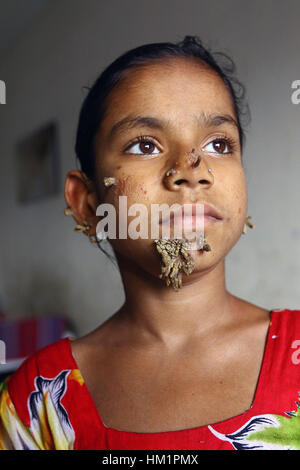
column 109, row 181
column 125, row 185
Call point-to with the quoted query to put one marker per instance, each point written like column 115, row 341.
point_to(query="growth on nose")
column 194, row 165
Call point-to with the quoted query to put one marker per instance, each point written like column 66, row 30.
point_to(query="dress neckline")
column 257, row 393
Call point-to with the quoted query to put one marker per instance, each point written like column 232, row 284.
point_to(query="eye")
column 143, row 143
column 221, row 146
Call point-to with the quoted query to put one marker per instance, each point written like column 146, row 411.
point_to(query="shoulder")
column 285, row 329
column 35, row 401
column 286, row 318
column 45, row 371
column 48, row 361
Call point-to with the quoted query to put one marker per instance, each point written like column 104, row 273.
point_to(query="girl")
column 183, row 364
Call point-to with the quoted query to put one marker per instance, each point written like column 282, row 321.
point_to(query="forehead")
column 176, row 88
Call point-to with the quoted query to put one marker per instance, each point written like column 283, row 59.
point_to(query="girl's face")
column 176, row 96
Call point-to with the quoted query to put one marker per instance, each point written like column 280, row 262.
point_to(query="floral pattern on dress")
column 50, row 427
column 266, row 432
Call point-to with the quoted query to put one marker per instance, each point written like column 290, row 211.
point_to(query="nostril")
column 180, row 181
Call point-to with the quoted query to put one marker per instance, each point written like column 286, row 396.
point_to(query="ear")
column 81, row 196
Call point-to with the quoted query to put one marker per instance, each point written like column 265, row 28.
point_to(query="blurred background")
column 53, row 282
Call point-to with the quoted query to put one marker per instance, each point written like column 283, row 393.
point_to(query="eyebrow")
column 203, row 120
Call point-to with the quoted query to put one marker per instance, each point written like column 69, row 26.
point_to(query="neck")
column 158, row 313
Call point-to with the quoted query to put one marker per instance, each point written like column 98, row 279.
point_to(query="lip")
column 192, row 223
column 210, row 214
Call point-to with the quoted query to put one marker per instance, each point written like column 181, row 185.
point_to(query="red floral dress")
column 45, row 404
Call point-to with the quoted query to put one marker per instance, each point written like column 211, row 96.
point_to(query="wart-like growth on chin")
column 206, row 246
column 176, row 260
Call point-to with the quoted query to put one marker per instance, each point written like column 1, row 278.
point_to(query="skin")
column 170, row 360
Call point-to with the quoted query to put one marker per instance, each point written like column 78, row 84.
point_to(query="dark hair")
column 95, row 104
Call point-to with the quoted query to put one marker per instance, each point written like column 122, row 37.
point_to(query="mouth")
column 193, row 216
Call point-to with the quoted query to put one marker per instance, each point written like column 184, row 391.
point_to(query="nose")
column 190, row 172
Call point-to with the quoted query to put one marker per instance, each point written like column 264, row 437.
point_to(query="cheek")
column 123, row 187
column 135, row 193
column 128, row 186
column 241, row 195
column 236, row 193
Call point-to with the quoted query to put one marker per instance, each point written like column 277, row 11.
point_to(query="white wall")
column 45, row 265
